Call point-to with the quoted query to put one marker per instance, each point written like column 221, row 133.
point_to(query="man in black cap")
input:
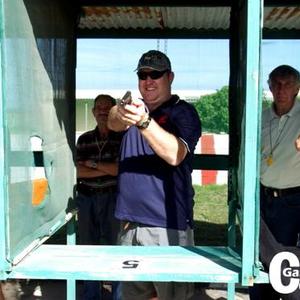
column 155, row 193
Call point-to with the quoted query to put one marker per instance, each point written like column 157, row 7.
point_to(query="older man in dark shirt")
column 97, row 167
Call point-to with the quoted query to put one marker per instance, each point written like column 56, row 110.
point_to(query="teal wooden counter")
column 191, row 264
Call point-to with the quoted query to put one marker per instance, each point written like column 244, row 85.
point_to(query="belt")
column 125, row 224
column 89, row 190
column 268, row 191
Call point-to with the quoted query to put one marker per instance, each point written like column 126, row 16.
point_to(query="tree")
column 213, row 111
column 266, row 102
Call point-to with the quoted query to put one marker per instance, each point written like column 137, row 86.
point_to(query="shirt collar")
column 172, row 101
column 295, row 109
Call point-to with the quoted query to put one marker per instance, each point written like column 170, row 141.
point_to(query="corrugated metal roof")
column 282, row 17
column 145, row 17
column 155, row 17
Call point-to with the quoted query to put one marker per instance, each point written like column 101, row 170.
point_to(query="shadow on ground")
column 56, row 290
column 212, row 234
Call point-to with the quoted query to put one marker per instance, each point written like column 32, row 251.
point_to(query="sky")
column 106, row 64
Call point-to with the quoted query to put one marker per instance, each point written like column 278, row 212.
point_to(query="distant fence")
column 211, row 144
column 208, row 144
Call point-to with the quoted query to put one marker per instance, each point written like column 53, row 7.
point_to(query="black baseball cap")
column 155, row 60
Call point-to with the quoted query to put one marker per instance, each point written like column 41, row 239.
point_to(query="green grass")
column 211, row 215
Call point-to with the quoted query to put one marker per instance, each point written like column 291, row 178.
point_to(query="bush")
column 213, row 111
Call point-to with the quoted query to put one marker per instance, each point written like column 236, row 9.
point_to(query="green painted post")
column 71, row 289
column 251, row 118
column 2, row 153
column 230, row 291
column 71, row 240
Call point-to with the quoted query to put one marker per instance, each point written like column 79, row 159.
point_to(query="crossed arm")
column 86, row 169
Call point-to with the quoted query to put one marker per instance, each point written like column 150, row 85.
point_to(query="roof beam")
column 283, row 34
column 152, row 33
column 176, row 3
column 282, row 3
column 177, row 34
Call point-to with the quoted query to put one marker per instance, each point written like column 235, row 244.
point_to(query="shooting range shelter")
column 37, row 136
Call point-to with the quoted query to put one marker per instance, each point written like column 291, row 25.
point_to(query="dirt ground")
column 56, row 290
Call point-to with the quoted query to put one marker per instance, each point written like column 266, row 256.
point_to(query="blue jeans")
column 97, row 226
column 281, row 215
column 96, row 222
column 93, row 290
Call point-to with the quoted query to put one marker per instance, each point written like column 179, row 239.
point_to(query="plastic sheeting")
column 38, row 103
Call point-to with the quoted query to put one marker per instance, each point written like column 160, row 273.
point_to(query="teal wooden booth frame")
column 37, row 98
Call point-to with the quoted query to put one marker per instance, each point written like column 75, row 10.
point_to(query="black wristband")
column 145, row 123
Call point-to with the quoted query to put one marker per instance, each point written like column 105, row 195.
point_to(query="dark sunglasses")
column 153, row 74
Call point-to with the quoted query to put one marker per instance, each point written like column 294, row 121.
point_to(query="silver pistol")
column 126, row 99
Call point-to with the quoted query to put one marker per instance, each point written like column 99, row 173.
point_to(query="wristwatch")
column 94, row 165
column 145, row 123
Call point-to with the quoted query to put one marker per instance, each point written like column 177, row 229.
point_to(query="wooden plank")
column 122, row 263
column 211, row 162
